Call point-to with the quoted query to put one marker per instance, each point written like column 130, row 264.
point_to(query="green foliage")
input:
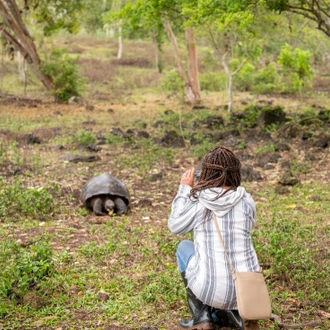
column 212, row 81
column 244, row 78
column 64, row 73
column 266, row 79
column 250, row 115
column 172, row 82
column 54, row 15
column 23, row 269
column 85, row 138
column 267, row 148
column 92, row 15
column 116, row 139
column 201, row 149
column 17, row 201
column 296, row 63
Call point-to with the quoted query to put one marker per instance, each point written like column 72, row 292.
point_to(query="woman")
column 203, row 263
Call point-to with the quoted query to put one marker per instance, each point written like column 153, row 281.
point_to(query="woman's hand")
column 188, row 177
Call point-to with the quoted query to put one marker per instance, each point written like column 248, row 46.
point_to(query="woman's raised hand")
column 188, row 177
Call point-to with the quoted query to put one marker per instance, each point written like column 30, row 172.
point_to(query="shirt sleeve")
column 184, row 209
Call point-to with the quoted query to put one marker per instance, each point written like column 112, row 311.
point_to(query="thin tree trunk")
column 16, row 33
column 188, row 86
column 120, row 41
column 193, row 63
column 157, row 61
column 230, row 93
column 21, row 67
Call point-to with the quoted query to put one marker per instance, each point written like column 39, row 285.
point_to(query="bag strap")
column 223, row 244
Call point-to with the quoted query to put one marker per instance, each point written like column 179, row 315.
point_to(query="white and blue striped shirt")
column 208, row 272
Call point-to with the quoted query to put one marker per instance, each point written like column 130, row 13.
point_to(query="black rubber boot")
column 202, row 319
column 229, row 319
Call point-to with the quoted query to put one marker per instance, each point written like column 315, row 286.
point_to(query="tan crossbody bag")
column 252, row 295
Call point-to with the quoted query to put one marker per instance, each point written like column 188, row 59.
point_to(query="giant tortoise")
column 105, row 194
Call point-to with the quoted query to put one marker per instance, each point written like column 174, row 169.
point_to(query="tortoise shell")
column 104, row 184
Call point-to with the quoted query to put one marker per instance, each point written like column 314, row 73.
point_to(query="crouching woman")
column 202, row 262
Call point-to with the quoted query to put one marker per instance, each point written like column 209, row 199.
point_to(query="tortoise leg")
column 98, row 206
column 121, row 206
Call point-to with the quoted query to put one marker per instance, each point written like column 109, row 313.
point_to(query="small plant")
column 266, row 80
column 25, row 268
column 64, row 73
column 85, row 138
column 201, row 149
column 268, row 148
column 173, row 82
column 115, row 139
column 17, row 201
column 213, row 81
column 296, row 64
column 244, row 80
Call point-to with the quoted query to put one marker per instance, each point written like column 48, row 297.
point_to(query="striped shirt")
column 208, row 272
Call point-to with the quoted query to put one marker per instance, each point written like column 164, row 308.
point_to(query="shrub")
column 85, row 138
column 23, row 269
column 17, row 200
column 266, row 79
column 296, row 65
column 244, row 79
column 64, row 72
column 212, row 81
column 173, row 82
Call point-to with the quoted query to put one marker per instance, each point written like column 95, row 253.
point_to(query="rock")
column 148, row 327
column 172, row 139
column 137, row 133
column 144, row 203
column 282, row 190
column 199, row 107
column 32, row 299
column 289, row 130
column 89, row 107
column 156, row 177
column 321, row 141
column 158, row 123
column 249, row 174
column 102, row 296
column 213, row 122
column 271, row 115
column 80, row 158
column 118, row 132
column 288, row 179
column 93, row 147
column 31, row 139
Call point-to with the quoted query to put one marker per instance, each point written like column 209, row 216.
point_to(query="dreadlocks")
column 220, row 167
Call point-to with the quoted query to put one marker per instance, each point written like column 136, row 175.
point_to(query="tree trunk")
column 193, row 63
column 230, row 93
column 120, row 41
column 157, row 61
column 188, row 85
column 15, row 32
column 21, row 67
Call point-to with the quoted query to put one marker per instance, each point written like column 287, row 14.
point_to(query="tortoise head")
column 109, row 205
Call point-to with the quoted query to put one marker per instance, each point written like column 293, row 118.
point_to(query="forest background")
column 158, row 83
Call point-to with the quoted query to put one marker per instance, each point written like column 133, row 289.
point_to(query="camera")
column 198, row 174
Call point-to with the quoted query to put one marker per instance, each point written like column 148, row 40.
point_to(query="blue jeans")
column 184, row 252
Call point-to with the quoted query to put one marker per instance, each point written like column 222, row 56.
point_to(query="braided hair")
column 220, row 167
